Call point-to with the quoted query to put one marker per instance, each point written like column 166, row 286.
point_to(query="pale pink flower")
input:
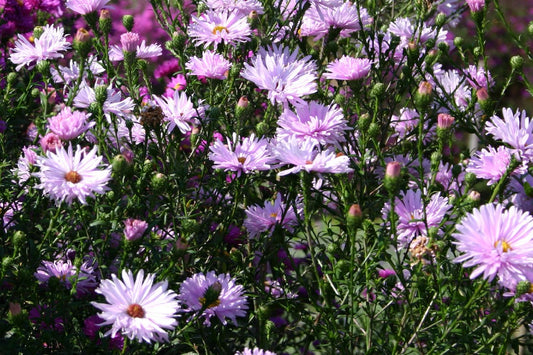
column 214, row 27
column 69, row 125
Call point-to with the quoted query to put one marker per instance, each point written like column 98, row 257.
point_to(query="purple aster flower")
column 515, row 129
column 167, row 68
column 83, row 7
column 264, row 218
column 50, row 142
column 7, row 212
column 211, row 65
column 68, row 274
column 130, row 45
column 179, row 111
column 451, row 84
column 242, row 155
column 348, row 68
column 69, row 125
column 244, row 7
column 345, row 16
column 254, row 351
column 314, row 121
column 134, row 228
column 48, row 46
column 520, row 198
column 114, row 104
column 305, row 156
column 66, row 175
column 213, row 295
column 214, row 27
column 71, row 73
column 497, row 242
column 25, row 163
column 279, row 71
column 137, row 307
column 490, row 163
column 91, row 327
column 415, row 218
column 406, row 123
column 479, row 78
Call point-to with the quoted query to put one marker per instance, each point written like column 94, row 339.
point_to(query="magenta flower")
column 48, row 46
column 50, row 142
column 84, row 7
column 305, row 156
column 262, row 219
column 67, row 175
column 211, row 65
column 134, row 228
column 69, row 125
column 177, row 83
column 348, row 68
column 415, row 217
column 137, row 307
column 214, row 27
column 490, row 163
column 179, row 111
column 282, row 74
column 243, row 155
column 515, row 129
column 213, row 295
column 313, row 121
column 497, row 242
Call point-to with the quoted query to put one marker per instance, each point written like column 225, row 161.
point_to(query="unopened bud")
column 530, row 28
column 445, row 121
column 440, row 20
column 392, row 177
column 159, row 182
column 354, row 217
column 423, row 95
column 43, row 67
column 242, row 107
column 377, row 90
column 105, row 21
column 11, row 78
column 120, row 165
column 128, row 22
column 364, row 122
column 517, row 62
column 458, row 42
column 522, row 288
column 82, row 42
column 37, row 32
column 100, row 93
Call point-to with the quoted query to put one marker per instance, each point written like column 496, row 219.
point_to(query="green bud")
column 456, row 170
column 35, row 92
column 458, row 42
column 473, row 198
column 202, row 7
column 333, row 250
column 443, row 47
column 517, row 62
column 478, row 52
column 128, row 22
column 93, row 107
column 340, row 99
column 159, row 182
column 100, row 93
column 11, row 78
column 262, row 129
column 354, row 216
column 470, row 178
column 377, row 90
column 37, row 32
column 19, row 239
column 43, row 67
column 440, row 20
column 530, row 28
column 120, row 165
column 342, row 268
column 522, row 288
column 436, row 158
column 364, row 122
column 373, row 130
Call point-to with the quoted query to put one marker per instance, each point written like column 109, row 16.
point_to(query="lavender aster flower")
column 415, row 218
column 254, row 351
column 261, row 219
column 211, row 65
column 67, row 175
column 242, row 155
column 137, row 307
column 279, row 71
column 214, row 27
column 348, row 68
column 134, row 228
column 114, row 104
column 83, row 7
column 69, row 125
column 243, row 6
column 141, row 49
column 67, row 274
column 48, row 46
column 497, row 242
column 213, row 295
column 515, row 129
column 314, row 121
column 179, row 111
column 490, row 163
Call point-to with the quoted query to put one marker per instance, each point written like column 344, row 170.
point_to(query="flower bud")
column 105, row 21
column 354, row 217
column 11, row 78
column 436, row 158
column 129, row 42
column 458, row 42
column 377, row 90
column 373, row 130
column 43, row 67
column 128, row 22
column 262, row 128
column 37, row 32
column 423, row 95
column 364, row 122
column 100, row 93
column 475, row 5
column 120, row 165
column 440, row 20
column 159, row 182
column 19, row 239
column 134, row 228
column 242, row 107
column 392, row 179
column 523, row 287
column 517, row 62
column 82, row 42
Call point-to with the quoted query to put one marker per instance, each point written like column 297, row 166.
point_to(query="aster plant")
column 253, row 177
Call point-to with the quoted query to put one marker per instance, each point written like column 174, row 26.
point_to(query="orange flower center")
column 73, row 177
column 273, row 215
column 219, row 28
column 241, row 159
column 135, row 310
column 505, row 246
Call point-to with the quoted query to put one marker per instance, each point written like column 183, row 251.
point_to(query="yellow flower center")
column 135, row 310
column 273, row 215
column 219, row 28
column 73, row 177
column 505, row 246
column 213, row 304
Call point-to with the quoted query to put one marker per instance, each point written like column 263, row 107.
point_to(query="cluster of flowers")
column 305, row 128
